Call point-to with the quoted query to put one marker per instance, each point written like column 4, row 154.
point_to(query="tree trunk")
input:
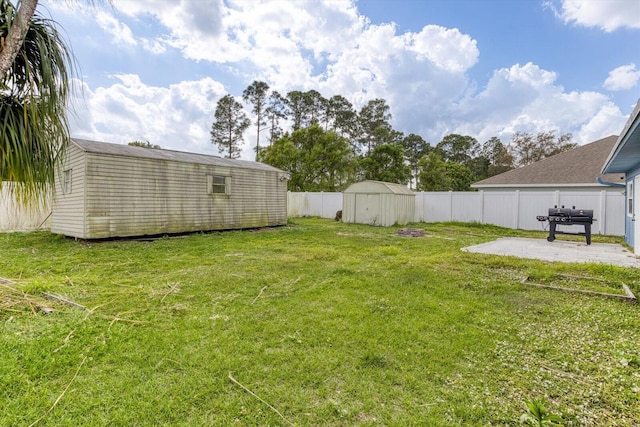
column 17, row 32
column 258, row 136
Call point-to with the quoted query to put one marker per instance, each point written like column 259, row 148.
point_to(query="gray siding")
column 67, row 216
column 136, row 196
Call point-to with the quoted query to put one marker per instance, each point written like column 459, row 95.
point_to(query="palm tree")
column 33, row 96
column 16, row 33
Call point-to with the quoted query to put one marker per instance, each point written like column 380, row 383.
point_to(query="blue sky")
column 154, row 69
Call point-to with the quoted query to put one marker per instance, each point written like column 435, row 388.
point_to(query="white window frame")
column 66, row 181
column 218, row 185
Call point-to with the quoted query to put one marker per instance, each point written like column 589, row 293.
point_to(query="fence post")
column 450, row 205
column 516, row 209
column 306, row 204
column 481, row 206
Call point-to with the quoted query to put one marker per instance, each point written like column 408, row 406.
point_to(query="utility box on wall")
column 378, row 203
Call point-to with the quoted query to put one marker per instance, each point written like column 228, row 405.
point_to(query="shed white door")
column 636, row 215
column 367, row 208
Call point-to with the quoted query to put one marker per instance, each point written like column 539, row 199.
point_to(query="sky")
column 154, row 69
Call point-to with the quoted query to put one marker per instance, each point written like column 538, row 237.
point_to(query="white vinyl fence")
column 512, row 209
column 324, row 205
column 16, row 217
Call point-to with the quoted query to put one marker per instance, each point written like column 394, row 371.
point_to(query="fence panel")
column 16, row 217
column 466, row 207
column 324, row 205
column 513, row 209
column 436, row 206
column 499, row 208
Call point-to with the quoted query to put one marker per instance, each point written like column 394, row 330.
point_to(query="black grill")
column 562, row 216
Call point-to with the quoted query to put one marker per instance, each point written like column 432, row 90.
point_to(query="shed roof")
column 378, row 187
column 625, row 155
column 579, row 166
column 162, row 154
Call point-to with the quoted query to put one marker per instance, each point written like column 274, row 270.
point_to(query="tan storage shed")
column 378, row 203
column 107, row 190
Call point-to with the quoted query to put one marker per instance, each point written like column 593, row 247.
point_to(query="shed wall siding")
column 349, row 208
column 68, row 209
column 128, row 196
column 405, row 209
column 378, row 209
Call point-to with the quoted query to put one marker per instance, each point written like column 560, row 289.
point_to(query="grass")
column 317, row 323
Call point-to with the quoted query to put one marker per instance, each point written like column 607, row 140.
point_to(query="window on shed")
column 66, row 183
column 630, row 198
column 218, row 184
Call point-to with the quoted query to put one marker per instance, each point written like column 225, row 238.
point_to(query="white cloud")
column 182, row 17
column 289, row 42
column 608, row 15
column 622, row 78
column 527, row 98
column 326, row 46
column 178, row 117
column 609, row 120
column 120, row 32
column 447, row 48
column 286, row 42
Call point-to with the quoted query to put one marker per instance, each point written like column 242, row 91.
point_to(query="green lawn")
column 314, row 324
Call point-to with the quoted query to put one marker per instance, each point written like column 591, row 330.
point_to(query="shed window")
column 66, row 184
column 630, row 198
column 218, row 184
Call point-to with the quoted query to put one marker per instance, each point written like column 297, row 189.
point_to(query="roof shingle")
column 581, row 165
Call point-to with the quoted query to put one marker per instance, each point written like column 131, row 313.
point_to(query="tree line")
column 325, row 144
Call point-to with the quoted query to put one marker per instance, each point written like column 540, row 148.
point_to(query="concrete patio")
column 558, row 250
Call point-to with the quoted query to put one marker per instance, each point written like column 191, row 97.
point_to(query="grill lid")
column 571, row 213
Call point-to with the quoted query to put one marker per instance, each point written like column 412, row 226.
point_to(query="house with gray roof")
column 577, row 169
column 105, row 190
column 624, row 157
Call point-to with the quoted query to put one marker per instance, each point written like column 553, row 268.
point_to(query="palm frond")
column 33, row 98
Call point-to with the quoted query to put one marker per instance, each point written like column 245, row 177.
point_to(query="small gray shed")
column 378, row 203
column 107, row 190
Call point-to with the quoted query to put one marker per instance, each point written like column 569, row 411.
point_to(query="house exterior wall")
column 133, row 196
column 67, row 216
column 632, row 218
column 635, row 232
